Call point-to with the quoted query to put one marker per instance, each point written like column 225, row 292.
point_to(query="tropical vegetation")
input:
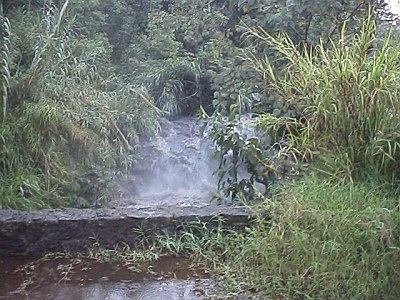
column 82, row 83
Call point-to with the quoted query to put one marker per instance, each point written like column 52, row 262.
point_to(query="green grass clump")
column 347, row 97
column 325, row 241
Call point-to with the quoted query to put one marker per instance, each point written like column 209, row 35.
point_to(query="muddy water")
column 61, row 278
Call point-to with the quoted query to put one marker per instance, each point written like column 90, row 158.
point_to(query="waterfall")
column 176, row 168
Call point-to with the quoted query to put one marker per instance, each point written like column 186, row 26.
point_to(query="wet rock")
column 74, row 230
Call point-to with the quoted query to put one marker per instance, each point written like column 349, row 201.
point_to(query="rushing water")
column 176, row 168
column 63, row 279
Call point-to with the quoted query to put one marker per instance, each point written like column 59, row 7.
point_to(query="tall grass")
column 347, row 96
column 325, row 241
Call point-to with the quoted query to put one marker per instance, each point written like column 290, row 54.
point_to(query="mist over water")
column 177, row 168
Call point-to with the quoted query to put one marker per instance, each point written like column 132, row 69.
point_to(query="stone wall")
column 39, row 232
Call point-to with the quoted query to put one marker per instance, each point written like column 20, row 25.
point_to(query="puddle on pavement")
column 169, row 278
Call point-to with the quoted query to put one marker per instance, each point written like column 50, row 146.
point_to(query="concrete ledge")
column 39, row 232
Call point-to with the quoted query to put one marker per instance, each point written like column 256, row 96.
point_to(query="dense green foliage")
column 326, row 240
column 348, row 99
column 342, row 104
column 67, row 119
column 80, row 82
column 188, row 52
column 83, row 77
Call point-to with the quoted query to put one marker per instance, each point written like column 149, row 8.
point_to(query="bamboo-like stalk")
column 5, row 60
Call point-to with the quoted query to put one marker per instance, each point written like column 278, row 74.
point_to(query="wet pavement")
column 55, row 278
